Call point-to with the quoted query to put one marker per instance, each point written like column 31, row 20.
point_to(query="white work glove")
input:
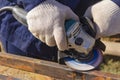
column 46, row 22
column 106, row 18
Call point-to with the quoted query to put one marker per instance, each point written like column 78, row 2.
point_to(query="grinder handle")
column 18, row 13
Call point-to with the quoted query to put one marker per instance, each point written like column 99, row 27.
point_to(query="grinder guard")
column 85, row 63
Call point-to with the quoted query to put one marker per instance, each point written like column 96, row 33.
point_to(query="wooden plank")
column 3, row 77
column 112, row 48
column 37, row 66
column 21, row 74
column 98, row 75
column 52, row 69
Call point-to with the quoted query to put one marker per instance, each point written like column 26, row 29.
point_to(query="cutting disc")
column 86, row 64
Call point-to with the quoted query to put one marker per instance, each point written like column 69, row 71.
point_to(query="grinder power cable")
column 84, row 53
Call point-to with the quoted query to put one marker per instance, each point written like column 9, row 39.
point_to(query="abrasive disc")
column 87, row 65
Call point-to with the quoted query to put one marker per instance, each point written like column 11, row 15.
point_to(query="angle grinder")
column 84, row 53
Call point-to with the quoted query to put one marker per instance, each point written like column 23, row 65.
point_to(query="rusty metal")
column 52, row 69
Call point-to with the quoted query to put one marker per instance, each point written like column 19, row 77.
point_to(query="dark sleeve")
column 29, row 4
column 78, row 6
column 17, row 39
column 11, row 29
column 83, row 5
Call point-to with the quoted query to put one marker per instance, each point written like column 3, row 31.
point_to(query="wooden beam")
column 52, row 69
column 98, row 75
column 112, row 48
column 37, row 66
column 3, row 77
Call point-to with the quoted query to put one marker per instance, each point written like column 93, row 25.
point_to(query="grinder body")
column 78, row 38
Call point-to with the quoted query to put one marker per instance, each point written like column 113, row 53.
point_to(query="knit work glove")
column 106, row 18
column 46, row 22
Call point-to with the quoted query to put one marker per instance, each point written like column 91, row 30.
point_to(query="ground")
column 111, row 64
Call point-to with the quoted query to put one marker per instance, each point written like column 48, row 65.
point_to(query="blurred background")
column 111, row 62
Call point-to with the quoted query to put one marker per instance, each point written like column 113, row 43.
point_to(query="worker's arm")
column 16, row 38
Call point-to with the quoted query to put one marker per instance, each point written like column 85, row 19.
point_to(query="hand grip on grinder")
column 77, row 38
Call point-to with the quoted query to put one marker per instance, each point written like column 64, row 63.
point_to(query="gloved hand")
column 46, row 22
column 106, row 18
